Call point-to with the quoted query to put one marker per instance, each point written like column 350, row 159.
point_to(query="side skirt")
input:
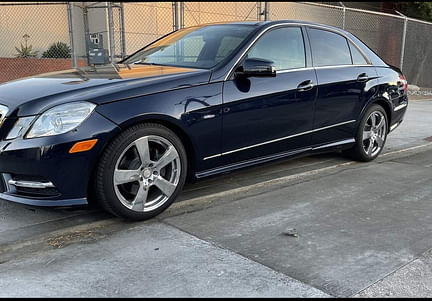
column 247, row 163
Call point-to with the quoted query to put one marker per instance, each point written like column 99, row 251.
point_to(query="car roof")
column 373, row 57
column 270, row 23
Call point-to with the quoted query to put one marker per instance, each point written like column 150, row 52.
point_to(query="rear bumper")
column 399, row 109
column 47, row 160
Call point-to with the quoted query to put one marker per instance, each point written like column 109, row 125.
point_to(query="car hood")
column 31, row 95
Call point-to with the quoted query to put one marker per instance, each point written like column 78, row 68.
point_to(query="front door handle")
column 362, row 77
column 305, row 86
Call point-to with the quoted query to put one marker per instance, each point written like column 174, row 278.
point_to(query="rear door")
column 345, row 77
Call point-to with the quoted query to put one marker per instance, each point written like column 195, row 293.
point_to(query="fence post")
column 86, row 31
column 403, row 42
column 71, row 36
column 266, row 11
column 175, row 15
column 123, row 35
column 344, row 14
column 181, row 14
column 259, row 11
column 403, row 37
column 111, row 33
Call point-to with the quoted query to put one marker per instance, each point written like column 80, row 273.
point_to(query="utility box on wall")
column 97, row 54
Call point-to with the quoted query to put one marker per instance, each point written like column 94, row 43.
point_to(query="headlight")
column 61, row 119
column 55, row 121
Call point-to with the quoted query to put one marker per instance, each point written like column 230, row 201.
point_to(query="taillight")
column 404, row 82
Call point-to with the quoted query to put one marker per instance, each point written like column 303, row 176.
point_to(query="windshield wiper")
column 151, row 64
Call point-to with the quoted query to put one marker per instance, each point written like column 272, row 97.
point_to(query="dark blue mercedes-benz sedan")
column 194, row 103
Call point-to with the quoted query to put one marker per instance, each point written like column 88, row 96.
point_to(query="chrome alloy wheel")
column 374, row 133
column 147, row 173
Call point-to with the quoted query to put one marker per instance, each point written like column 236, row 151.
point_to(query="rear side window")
column 283, row 46
column 357, row 57
column 328, row 48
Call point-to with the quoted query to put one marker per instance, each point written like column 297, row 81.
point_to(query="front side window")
column 283, row 46
column 328, row 48
column 196, row 47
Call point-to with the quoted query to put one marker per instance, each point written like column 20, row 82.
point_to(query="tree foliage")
column 416, row 9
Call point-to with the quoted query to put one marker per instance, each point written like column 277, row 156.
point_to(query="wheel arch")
column 172, row 124
column 384, row 103
column 158, row 119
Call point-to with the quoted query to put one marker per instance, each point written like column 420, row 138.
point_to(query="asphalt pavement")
column 311, row 227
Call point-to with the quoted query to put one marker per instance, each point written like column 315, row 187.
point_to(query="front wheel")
column 371, row 135
column 141, row 172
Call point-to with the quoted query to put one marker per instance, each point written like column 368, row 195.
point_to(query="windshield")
column 195, row 47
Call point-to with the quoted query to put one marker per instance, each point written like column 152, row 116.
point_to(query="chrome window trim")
column 341, row 66
column 278, row 139
column 320, row 67
column 293, row 70
column 229, row 73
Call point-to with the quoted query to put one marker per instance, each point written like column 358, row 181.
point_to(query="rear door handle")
column 362, row 77
column 305, row 86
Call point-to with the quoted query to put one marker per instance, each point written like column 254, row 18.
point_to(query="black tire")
column 357, row 152
column 104, row 188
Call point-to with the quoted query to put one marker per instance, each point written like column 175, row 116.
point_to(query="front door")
column 264, row 116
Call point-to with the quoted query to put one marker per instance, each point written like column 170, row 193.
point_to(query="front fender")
column 197, row 111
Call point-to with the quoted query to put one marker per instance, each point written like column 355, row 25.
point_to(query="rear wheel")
column 141, row 172
column 371, row 135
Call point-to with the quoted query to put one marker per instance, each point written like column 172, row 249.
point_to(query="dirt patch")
column 73, row 237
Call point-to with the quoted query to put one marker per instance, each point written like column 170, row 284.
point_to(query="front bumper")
column 42, row 202
column 47, row 160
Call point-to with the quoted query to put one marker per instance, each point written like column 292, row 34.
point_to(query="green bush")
column 58, row 50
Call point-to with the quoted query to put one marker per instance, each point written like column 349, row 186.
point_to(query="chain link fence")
column 196, row 13
column 34, row 39
column 382, row 32
column 417, row 58
column 60, row 35
column 144, row 22
column 319, row 13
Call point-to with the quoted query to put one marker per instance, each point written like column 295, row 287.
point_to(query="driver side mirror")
column 256, row 67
